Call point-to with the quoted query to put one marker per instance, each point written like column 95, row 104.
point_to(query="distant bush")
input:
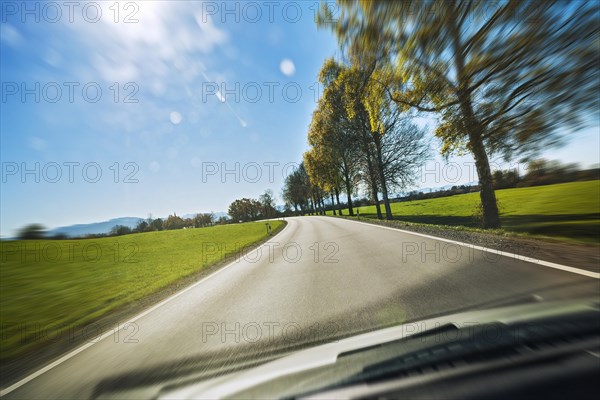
column 119, row 230
column 32, row 231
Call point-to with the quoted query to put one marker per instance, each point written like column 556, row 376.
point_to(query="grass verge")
column 568, row 212
column 49, row 288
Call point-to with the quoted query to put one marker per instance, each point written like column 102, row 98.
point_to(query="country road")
column 318, row 279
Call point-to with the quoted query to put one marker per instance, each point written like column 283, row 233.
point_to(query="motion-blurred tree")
column 32, row 231
column 503, row 77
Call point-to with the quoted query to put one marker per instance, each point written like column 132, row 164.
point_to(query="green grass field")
column 66, row 283
column 566, row 210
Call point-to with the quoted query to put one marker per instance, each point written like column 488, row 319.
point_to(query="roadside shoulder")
column 580, row 256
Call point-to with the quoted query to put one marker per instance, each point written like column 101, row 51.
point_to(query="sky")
column 113, row 109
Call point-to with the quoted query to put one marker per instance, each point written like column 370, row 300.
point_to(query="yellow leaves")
column 320, row 168
column 362, row 90
column 453, row 141
column 329, row 71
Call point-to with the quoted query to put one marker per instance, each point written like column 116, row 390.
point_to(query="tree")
column 32, row 231
column 503, row 77
column 359, row 127
column 505, row 179
column 245, row 210
column 156, row 224
column 202, row 220
column 336, row 137
column 323, row 173
column 297, row 189
column 393, row 148
column 119, row 230
column 351, row 83
column 142, row 226
column 267, row 201
column 173, row 222
column 400, row 152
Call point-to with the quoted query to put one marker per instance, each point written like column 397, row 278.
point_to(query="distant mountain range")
column 106, row 226
column 94, row 227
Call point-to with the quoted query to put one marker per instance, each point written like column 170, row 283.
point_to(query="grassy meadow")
column 66, row 283
column 566, row 210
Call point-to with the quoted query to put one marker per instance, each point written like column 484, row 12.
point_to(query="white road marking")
column 574, row 270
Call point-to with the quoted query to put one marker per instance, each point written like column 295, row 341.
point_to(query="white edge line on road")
column 81, row 348
column 574, row 270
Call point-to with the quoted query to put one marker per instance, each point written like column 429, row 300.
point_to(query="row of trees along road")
column 358, row 135
column 502, row 78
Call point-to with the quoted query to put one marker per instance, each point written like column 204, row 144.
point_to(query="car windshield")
column 196, row 188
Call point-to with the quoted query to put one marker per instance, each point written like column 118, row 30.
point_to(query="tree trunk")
column 376, row 199
column 386, row 201
column 350, row 209
column 337, row 196
column 372, row 175
column 348, row 189
column 491, row 215
column 474, row 130
column 384, row 191
column 319, row 206
column 322, row 203
column 332, row 203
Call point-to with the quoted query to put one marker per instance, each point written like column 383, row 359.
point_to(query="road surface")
column 318, row 279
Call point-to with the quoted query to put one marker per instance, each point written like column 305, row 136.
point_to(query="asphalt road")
column 320, row 278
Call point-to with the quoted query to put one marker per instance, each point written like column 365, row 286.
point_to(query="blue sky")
column 140, row 103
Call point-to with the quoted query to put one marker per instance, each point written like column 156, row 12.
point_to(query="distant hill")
column 95, row 227
column 105, row 226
